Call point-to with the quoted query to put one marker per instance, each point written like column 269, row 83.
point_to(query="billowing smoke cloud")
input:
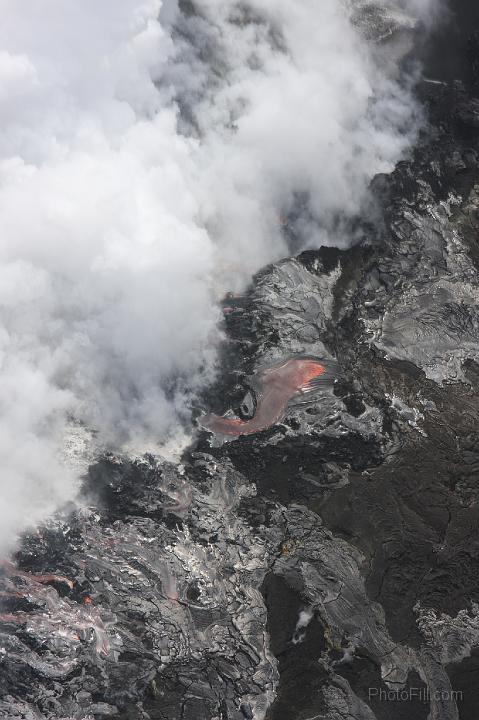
column 427, row 11
column 149, row 154
column 297, row 117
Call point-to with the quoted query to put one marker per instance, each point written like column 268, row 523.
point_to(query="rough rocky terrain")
column 326, row 567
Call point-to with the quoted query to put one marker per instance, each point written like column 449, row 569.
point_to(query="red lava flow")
column 10, row 569
column 277, row 386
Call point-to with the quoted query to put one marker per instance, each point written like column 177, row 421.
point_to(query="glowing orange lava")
column 277, row 386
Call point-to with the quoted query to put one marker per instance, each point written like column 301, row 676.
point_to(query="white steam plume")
column 147, row 153
column 427, row 11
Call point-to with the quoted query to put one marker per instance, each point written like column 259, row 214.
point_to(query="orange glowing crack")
column 277, row 386
column 11, row 570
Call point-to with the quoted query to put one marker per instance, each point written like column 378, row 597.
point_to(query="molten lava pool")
column 276, row 387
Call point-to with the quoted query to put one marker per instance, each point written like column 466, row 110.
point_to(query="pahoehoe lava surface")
column 323, row 567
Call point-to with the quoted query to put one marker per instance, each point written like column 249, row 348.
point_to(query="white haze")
column 427, row 11
column 119, row 229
